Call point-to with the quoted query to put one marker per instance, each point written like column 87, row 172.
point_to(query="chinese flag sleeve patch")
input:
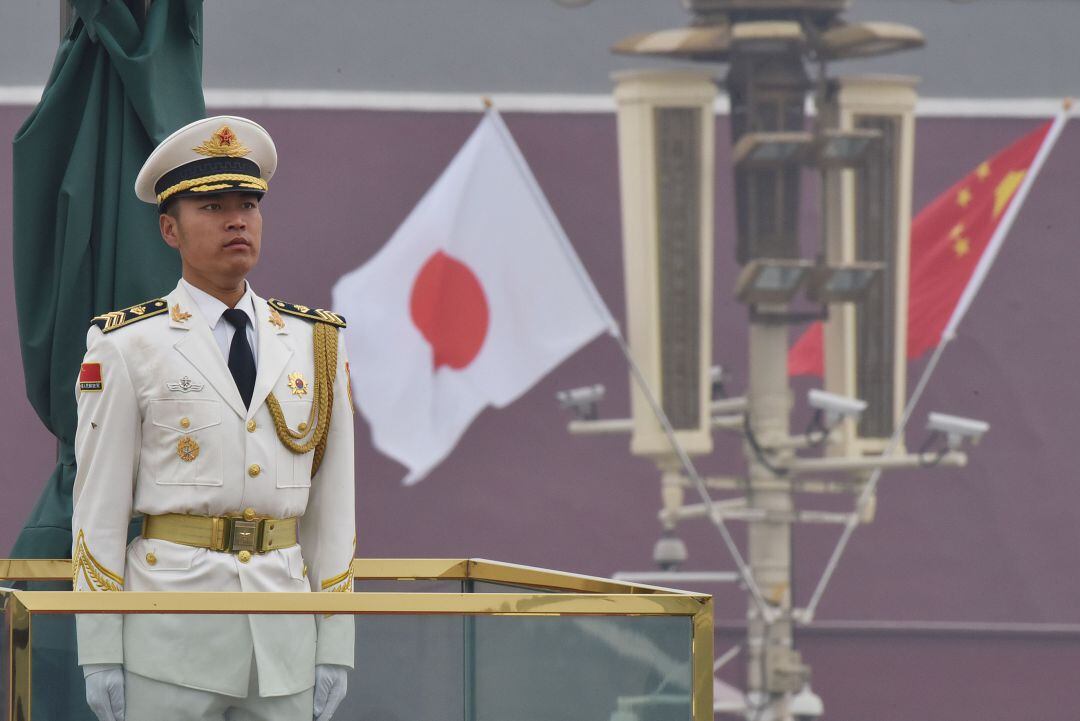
column 90, row 378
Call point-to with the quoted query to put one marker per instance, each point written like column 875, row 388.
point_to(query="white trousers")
column 150, row 700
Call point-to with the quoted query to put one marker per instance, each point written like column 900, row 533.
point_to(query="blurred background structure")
column 957, row 602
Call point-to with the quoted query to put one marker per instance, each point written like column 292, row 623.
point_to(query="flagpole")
column 968, row 296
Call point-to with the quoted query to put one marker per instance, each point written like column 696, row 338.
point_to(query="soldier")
column 225, row 421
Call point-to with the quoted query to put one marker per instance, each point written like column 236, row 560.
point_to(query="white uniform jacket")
column 163, row 379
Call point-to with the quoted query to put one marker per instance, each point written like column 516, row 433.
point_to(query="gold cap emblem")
column 223, row 143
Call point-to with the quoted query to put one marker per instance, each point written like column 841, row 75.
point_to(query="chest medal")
column 297, row 384
column 187, row 448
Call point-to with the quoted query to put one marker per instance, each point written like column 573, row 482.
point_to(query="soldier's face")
column 218, row 237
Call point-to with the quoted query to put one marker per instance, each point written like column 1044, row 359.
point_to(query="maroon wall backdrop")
column 997, row 541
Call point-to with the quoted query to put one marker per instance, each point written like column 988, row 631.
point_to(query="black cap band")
column 205, row 167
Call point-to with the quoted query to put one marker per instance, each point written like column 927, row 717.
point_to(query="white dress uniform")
column 163, row 430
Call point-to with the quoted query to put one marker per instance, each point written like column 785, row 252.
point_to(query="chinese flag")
column 947, row 239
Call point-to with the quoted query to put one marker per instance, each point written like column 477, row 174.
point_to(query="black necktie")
column 241, row 359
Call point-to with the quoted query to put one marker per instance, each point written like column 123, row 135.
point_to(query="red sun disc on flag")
column 449, row 308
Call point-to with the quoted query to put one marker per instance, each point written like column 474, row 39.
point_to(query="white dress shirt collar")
column 212, row 309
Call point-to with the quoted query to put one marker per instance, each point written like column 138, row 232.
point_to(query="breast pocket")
column 294, row 469
column 185, row 442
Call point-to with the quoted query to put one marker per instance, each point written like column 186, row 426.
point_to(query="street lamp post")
column 774, row 667
column 766, row 44
column 860, row 142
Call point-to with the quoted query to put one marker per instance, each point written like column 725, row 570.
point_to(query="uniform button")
column 185, row 422
column 244, row 556
column 249, row 514
column 305, row 570
column 302, row 427
column 151, row 559
column 251, row 426
column 254, row 470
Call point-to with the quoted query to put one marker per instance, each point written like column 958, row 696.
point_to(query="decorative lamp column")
column 868, row 218
column 666, row 170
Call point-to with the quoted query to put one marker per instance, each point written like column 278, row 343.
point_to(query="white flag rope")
column 962, row 306
column 613, row 329
column 768, row 615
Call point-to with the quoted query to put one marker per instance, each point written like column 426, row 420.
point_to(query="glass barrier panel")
column 406, row 666
column 492, row 587
column 580, row 668
column 380, row 585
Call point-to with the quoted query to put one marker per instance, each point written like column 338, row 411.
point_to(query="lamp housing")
column 847, row 283
column 772, row 280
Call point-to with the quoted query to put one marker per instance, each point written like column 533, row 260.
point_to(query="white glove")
column 105, row 690
column 331, row 681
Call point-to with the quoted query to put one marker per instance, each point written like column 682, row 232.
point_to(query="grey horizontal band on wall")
column 19, row 95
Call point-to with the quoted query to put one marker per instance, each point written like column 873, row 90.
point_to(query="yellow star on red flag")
column 1005, row 190
column 961, row 244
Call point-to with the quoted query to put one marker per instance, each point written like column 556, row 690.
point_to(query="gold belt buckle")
column 245, row 536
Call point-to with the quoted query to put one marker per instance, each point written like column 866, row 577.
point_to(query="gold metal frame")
column 19, row 569
column 562, row 594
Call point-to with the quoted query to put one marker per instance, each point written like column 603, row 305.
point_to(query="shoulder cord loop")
column 324, row 339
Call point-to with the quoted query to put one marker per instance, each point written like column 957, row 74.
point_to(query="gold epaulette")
column 302, row 311
column 120, row 318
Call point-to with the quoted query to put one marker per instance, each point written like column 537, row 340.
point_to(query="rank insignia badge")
column 90, row 378
column 297, row 384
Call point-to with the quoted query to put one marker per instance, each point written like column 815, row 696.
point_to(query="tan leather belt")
column 230, row 534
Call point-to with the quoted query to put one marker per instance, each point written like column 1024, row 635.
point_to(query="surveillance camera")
column 584, row 401
column 957, row 429
column 835, row 407
column 669, row 552
column 806, row 705
column 717, row 376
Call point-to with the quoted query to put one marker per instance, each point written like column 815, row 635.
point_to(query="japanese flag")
column 476, row 297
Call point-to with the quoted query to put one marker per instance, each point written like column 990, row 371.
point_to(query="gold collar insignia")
column 276, row 319
column 177, row 315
